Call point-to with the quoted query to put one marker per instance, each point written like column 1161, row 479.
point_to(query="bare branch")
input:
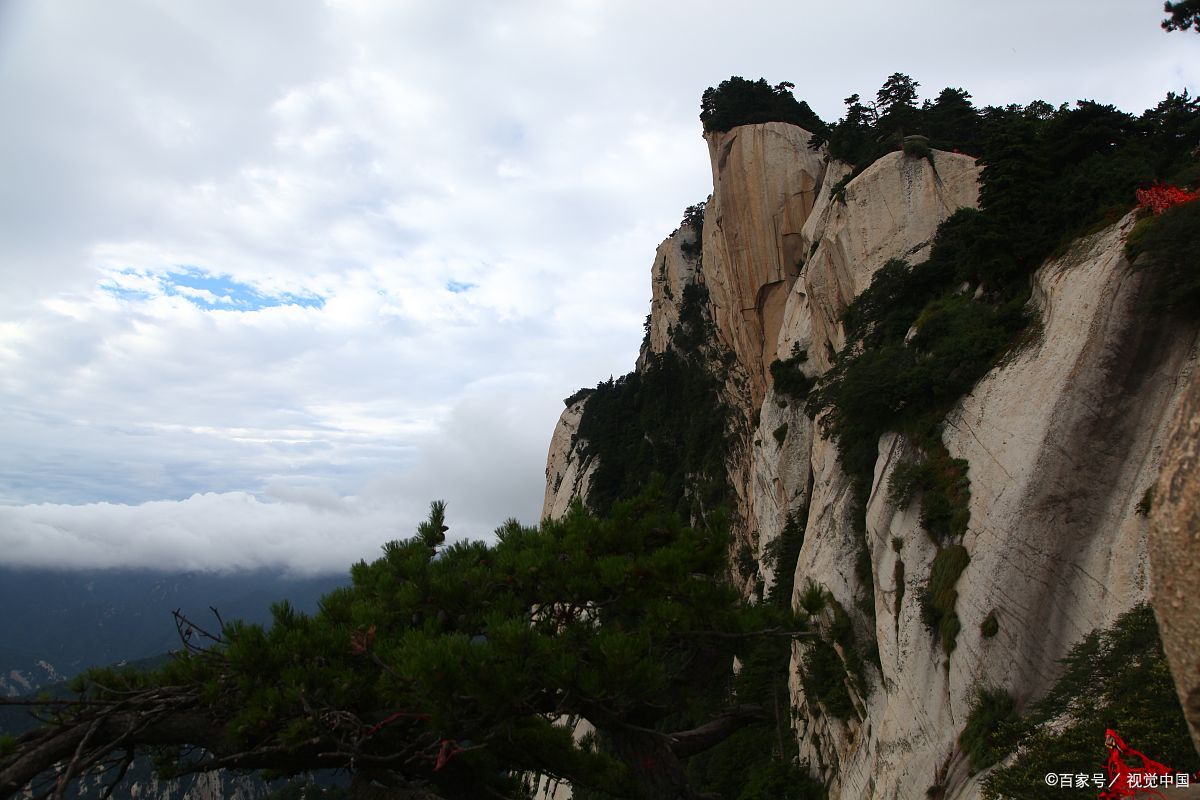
column 696, row 740
column 126, row 762
column 186, row 629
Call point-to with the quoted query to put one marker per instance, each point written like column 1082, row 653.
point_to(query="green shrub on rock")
column 983, row 740
column 939, row 596
column 1115, row 678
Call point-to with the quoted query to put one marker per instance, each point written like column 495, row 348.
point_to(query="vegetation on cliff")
column 787, row 375
column 1116, row 678
column 920, row 337
column 761, row 762
column 983, row 740
column 667, row 419
column 693, row 217
column 668, row 422
column 738, row 101
column 1166, row 243
column 1183, row 15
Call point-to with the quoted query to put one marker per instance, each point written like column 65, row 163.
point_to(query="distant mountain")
column 55, row 624
column 142, row 781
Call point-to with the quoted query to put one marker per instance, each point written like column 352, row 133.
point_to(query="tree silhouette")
column 1184, row 15
column 952, row 122
column 896, row 105
column 738, row 101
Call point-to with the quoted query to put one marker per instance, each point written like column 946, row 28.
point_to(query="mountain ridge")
column 1052, row 448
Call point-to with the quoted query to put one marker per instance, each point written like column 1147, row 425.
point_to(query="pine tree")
column 952, row 123
column 898, row 92
column 896, row 105
column 850, row 139
column 1184, row 15
column 433, row 530
column 738, row 101
column 448, row 673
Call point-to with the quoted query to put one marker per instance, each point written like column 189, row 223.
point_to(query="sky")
column 278, row 274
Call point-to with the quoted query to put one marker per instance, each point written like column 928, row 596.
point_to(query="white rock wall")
column 671, row 274
column 1061, row 442
column 781, row 480
column 765, row 185
column 892, row 210
column 1062, row 439
column 567, row 472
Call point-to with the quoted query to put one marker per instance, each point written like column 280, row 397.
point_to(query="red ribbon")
column 1121, row 781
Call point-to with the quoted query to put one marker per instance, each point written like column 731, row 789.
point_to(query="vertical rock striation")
column 1175, row 552
column 673, row 271
column 765, row 185
column 891, row 210
column 567, row 471
column 1061, row 442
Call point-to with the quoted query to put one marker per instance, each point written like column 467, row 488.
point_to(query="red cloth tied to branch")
column 1159, row 198
column 1125, row 780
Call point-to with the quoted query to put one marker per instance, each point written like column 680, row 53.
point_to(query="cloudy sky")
column 277, row 274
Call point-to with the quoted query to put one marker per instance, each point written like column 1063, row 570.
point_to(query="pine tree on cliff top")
column 1185, row 15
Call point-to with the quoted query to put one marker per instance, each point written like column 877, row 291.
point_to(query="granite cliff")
column 1061, row 440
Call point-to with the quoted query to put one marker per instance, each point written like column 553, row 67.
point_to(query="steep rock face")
column 673, row 272
column 205, row 786
column 1061, row 441
column 891, row 210
column 1175, row 552
column 765, row 184
column 783, row 473
column 142, row 783
column 772, row 209
column 567, row 471
column 17, row 682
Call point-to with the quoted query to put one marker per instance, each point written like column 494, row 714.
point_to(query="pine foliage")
column 447, row 665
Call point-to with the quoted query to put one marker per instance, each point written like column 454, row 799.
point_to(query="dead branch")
column 186, row 628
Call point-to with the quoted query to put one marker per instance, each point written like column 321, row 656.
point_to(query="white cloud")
column 478, row 461
column 374, row 155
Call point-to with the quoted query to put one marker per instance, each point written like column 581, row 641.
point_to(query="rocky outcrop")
column 1061, row 442
column 1175, row 552
column 141, row 782
column 38, row 673
column 567, row 471
column 673, row 271
column 891, row 210
column 782, row 474
column 765, row 185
